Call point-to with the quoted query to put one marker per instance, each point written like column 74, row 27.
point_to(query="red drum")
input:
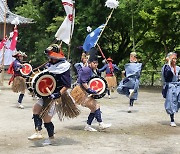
column 43, row 84
column 98, row 84
column 26, row 70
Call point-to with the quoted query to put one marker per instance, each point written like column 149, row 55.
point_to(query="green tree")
column 149, row 27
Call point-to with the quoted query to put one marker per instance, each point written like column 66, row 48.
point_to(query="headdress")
column 54, row 52
column 171, row 53
column 93, row 56
column 109, row 59
column 133, row 54
column 19, row 53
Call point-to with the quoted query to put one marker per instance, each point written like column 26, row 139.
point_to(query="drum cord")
column 40, row 66
column 45, row 110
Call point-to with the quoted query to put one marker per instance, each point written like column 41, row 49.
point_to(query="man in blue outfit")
column 19, row 84
column 171, row 86
column 130, row 84
column 110, row 77
column 82, row 93
column 60, row 68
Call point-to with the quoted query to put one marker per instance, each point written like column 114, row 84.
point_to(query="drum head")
column 26, row 70
column 98, row 84
column 42, row 82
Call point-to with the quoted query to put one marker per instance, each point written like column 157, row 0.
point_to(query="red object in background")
column 3, row 42
column 14, row 39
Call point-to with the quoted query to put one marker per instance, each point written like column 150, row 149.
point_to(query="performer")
column 82, row 93
column 110, row 77
column 84, row 62
column 79, row 66
column 61, row 70
column 19, row 84
column 171, row 86
column 130, row 84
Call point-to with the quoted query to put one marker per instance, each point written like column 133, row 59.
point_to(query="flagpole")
column 2, row 62
column 69, row 46
column 60, row 44
column 104, row 26
column 101, row 52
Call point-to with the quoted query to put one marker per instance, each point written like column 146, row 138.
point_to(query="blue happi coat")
column 108, row 70
column 171, row 88
column 131, row 81
column 17, row 65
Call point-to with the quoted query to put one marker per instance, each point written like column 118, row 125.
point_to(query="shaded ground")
column 144, row 131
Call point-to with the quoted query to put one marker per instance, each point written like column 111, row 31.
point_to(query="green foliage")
column 154, row 26
column 54, row 26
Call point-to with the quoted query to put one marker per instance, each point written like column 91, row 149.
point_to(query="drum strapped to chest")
column 98, row 84
column 29, row 80
column 39, row 82
column 26, row 70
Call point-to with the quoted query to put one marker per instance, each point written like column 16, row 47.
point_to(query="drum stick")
column 40, row 66
column 42, row 114
column 90, row 95
column 48, row 90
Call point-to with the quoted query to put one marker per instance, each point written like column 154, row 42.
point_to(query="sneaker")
column 35, row 136
column 104, row 126
column 20, row 106
column 173, row 124
column 48, row 141
column 130, row 109
column 109, row 96
column 131, row 92
column 89, row 128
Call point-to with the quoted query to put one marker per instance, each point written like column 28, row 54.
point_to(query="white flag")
column 8, row 59
column 65, row 31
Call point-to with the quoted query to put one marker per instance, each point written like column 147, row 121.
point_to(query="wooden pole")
column 96, row 43
column 69, row 46
column 101, row 52
column 60, row 44
column 104, row 26
column 2, row 62
column 132, row 21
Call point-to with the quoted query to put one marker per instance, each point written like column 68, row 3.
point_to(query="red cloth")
column 11, row 71
column 14, row 39
column 108, row 75
column 2, row 43
column 111, row 67
column 11, row 79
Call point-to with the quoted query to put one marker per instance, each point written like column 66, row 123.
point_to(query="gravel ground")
column 144, row 131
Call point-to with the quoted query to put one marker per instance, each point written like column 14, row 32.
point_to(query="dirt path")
column 144, row 131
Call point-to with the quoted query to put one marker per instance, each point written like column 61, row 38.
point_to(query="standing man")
column 83, row 63
column 82, row 94
column 171, row 86
column 130, row 84
column 80, row 65
column 60, row 67
column 19, row 84
column 110, row 77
